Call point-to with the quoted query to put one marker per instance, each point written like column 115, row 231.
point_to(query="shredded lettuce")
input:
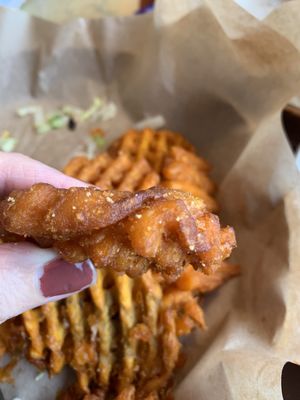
column 73, row 112
column 100, row 110
column 107, row 112
column 7, row 142
column 57, row 120
column 43, row 128
column 100, row 141
column 24, row 111
column 38, row 117
column 95, row 107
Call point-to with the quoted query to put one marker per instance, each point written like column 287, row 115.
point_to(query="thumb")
column 30, row 277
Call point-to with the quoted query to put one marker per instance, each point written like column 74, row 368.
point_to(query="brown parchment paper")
column 61, row 11
column 221, row 77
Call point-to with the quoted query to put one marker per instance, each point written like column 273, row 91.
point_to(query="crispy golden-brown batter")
column 122, row 335
column 158, row 228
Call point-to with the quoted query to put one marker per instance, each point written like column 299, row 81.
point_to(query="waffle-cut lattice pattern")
column 55, row 336
column 149, row 144
column 121, row 173
column 106, row 351
column 118, row 336
column 139, row 160
column 102, row 324
column 121, row 336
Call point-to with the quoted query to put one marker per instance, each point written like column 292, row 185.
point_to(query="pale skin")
column 22, row 264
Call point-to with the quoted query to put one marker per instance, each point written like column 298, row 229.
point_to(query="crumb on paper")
column 39, row 376
column 153, row 122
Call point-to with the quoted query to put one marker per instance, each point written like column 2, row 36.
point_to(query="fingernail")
column 60, row 277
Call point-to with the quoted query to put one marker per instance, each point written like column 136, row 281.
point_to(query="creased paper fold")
column 221, row 77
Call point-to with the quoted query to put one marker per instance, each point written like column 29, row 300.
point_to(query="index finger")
column 20, row 172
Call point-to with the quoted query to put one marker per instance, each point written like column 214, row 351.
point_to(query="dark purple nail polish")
column 61, row 277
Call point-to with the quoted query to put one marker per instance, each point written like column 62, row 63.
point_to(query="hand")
column 31, row 276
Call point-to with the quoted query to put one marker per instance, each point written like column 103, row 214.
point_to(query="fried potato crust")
column 156, row 228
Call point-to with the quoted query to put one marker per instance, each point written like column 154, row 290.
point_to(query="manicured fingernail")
column 60, row 277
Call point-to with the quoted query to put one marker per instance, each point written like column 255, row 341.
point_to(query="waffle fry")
column 191, row 280
column 121, row 336
column 115, row 171
column 152, row 145
column 137, row 173
column 116, row 357
column 189, row 312
column 152, row 300
column 150, row 180
column 170, row 346
column 178, row 153
column 140, row 175
column 127, row 394
column 32, row 321
column 91, row 171
column 77, row 329
column 54, row 338
column 140, row 160
column 103, row 326
column 128, row 319
column 129, row 232
column 75, row 165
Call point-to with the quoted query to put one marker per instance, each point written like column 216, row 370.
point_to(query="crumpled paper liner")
column 221, row 77
column 58, row 11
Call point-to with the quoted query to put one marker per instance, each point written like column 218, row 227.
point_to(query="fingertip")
column 18, row 171
column 31, row 276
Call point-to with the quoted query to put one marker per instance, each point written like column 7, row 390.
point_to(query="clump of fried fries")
column 156, row 228
column 130, row 232
column 121, row 336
